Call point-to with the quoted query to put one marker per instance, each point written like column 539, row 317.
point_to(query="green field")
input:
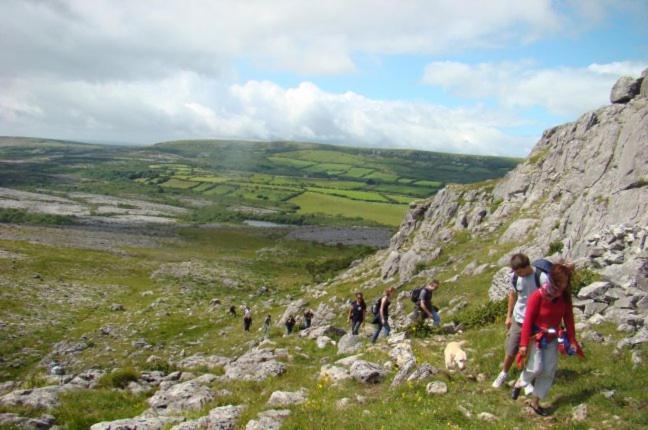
column 264, row 175
column 382, row 213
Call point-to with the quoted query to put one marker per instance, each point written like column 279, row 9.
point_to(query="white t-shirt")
column 525, row 287
column 248, row 313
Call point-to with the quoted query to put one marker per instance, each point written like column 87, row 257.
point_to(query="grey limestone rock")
column 367, row 372
column 624, row 90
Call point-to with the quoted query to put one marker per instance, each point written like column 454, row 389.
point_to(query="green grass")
column 180, row 184
column 20, row 216
column 383, row 213
column 352, row 194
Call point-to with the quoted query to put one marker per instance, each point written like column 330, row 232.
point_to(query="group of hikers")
column 424, row 309
column 539, row 301
column 290, row 323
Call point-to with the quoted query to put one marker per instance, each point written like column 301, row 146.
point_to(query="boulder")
column 487, row 417
column 625, row 89
column 200, row 360
column 500, row 285
column 257, row 365
column 37, row 398
column 322, row 341
column 348, row 361
column 15, row 421
column 594, row 308
column 436, row 387
column 402, row 354
column 367, row 372
column 403, row 372
column 595, row 290
column 287, row 398
column 139, row 423
column 268, row 420
column 186, row 396
column 334, row 374
column 221, row 418
column 323, row 330
column 349, row 343
column 422, row 373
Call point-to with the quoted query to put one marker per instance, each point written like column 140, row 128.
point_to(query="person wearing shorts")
column 527, row 281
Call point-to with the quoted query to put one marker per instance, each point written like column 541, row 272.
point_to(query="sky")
column 455, row 76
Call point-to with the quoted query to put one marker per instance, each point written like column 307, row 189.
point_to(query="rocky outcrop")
column 257, row 365
column 580, row 178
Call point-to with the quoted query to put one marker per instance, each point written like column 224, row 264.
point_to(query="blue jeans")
column 355, row 327
column 435, row 316
column 380, row 326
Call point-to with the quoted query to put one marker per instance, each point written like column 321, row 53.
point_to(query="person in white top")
column 526, row 279
column 247, row 318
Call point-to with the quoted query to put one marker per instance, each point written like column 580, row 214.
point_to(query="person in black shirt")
column 382, row 318
column 308, row 317
column 357, row 313
column 290, row 323
column 425, row 307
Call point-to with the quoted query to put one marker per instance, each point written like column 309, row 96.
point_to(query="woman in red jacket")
column 545, row 310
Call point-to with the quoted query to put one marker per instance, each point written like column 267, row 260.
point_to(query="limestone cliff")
column 582, row 178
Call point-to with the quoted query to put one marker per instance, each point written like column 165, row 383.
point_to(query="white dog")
column 455, row 357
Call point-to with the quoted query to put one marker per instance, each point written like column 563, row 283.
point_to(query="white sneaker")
column 499, row 381
column 528, row 389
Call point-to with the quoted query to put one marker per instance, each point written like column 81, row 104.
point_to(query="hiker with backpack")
column 247, row 318
column 542, row 336
column 526, row 279
column 357, row 313
column 422, row 297
column 308, row 317
column 290, row 323
column 381, row 311
column 266, row 325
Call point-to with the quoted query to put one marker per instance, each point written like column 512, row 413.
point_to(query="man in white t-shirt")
column 526, row 279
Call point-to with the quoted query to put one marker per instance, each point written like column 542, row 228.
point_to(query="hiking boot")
column 539, row 410
column 499, row 381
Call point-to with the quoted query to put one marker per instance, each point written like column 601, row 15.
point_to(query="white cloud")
column 189, row 105
column 123, row 39
column 567, row 91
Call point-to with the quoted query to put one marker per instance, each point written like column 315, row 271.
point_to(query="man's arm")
column 425, row 308
column 512, row 297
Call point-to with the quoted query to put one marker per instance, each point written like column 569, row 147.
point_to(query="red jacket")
column 545, row 314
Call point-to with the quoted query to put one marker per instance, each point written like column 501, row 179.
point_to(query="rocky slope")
column 580, row 179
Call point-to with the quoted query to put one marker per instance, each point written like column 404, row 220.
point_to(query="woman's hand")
column 523, row 351
column 508, row 323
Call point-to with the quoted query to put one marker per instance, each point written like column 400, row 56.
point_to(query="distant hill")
column 289, row 182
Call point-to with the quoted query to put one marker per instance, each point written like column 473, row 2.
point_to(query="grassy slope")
column 186, row 322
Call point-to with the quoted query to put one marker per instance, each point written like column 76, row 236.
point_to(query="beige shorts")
column 513, row 339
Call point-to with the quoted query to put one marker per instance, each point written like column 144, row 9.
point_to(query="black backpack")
column 542, row 266
column 375, row 309
column 416, row 294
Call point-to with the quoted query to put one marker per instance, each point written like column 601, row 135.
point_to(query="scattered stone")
column 257, row 365
column 579, row 413
column 608, row 394
column 594, row 291
column 422, row 373
column 287, row 398
column 323, row 341
column 348, row 361
column 436, row 387
column 37, row 398
column 500, row 285
column 367, row 372
column 488, row 417
column 334, row 374
column 138, row 423
column 117, row 307
column 185, row 396
column 268, row 420
column 199, row 360
column 343, row 403
column 349, row 343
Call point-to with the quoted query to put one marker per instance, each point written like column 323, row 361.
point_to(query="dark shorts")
column 513, row 339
